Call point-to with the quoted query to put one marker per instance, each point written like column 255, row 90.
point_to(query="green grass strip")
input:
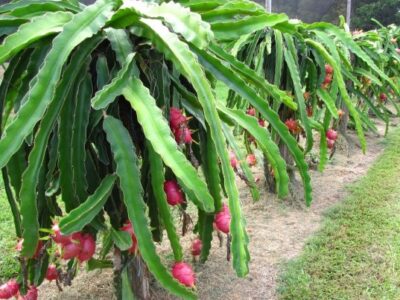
column 356, row 253
column 8, row 264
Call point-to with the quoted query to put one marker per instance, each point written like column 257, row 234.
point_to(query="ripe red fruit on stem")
column 330, row 143
column 331, row 134
column 77, row 236
column 51, row 273
column 328, row 79
column 251, row 160
column 128, row 228
column 71, row 250
column 222, row 219
column 173, row 192
column 328, row 69
column 178, row 124
column 261, row 122
column 292, row 125
column 196, row 247
column 383, row 97
column 9, row 289
column 73, row 247
column 57, row 237
column 88, row 248
column 233, row 160
column 251, row 111
column 32, row 294
column 176, row 118
column 39, row 246
column 183, row 272
column 183, row 135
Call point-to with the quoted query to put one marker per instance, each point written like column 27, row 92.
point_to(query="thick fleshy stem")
column 220, row 238
column 186, row 221
column 228, row 247
column 193, row 158
column 242, row 176
column 24, row 270
column 70, row 274
column 117, row 270
column 59, row 285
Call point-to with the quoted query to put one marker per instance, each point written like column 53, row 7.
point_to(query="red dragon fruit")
column 183, row 135
column 88, row 248
column 222, row 219
column 196, row 247
column 292, row 125
column 183, row 272
column 32, row 294
column 383, row 97
column 173, row 192
column 327, row 79
column 39, row 247
column 251, row 111
column 178, row 124
column 51, row 273
column 57, row 237
column 71, row 250
column 176, row 118
column 233, row 160
column 9, row 289
column 129, row 228
column 331, row 134
column 328, row 69
column 251, row 160
column 330, row 143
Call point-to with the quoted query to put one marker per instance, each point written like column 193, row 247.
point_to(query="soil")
column 278, row 230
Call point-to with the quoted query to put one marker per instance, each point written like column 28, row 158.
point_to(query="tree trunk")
column 296, row 193
column 139, row 276
column 269, row 178
column 295, row 187
column 117, row 272
column 344, row 121
column 348, row 13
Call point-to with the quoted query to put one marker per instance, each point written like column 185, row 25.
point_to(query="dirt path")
column 277, row 232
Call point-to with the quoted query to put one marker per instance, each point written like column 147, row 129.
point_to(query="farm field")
column 8, row 261
column 355, row 255
column 279, row 231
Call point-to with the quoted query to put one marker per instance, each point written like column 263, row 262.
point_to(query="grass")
column 356, row 254
column 8, row 262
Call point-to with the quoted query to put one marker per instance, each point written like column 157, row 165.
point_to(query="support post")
column 348, row 13
column 268, row 5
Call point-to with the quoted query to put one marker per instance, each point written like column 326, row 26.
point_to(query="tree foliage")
column 385, row 11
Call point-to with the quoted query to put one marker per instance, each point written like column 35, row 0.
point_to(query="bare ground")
column 277, row 229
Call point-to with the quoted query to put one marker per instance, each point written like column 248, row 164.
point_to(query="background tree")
column 385, row 11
